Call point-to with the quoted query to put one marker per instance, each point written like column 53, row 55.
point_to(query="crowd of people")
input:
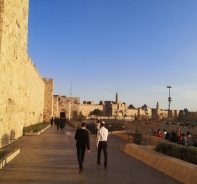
column 175, row 136
column 59, row 122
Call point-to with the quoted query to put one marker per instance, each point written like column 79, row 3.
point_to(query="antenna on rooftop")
column 70, row 89
column 70, row 102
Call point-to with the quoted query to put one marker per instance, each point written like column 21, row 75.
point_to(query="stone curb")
column 116, row 132
column 4, row 161
column 178, row 169
column 36, row 133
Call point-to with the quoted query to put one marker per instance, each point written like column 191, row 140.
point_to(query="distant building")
column 65, row 106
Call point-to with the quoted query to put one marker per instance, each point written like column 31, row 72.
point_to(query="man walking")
column 82, row 136
column 101, row 143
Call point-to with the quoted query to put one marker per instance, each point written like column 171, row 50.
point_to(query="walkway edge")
column 175, row 168
column 36, row 133
column 5, row 161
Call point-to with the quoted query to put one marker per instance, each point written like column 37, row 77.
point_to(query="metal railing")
column 139, row 134
column 7, row 146
column 138, row 138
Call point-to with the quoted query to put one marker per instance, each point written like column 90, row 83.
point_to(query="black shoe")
column 98, row 162
column 105, row 167
column 80, row 169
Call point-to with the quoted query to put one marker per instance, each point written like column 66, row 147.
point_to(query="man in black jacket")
column 82, row 136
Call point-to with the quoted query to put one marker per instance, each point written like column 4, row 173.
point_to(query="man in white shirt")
column 164, row 134
column 101, row 143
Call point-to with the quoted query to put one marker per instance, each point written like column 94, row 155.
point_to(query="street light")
column 169, row 100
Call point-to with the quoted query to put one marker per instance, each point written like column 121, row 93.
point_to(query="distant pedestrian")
column 51, row 121
column 164, row 134
column 82, row 136
column 174, row 137
column 61, row 124
column 159, row 134
column 189, row 138
column 97, row 125
column 101, row 144
column 58, row 124
column 184, row 140
column 168, row 135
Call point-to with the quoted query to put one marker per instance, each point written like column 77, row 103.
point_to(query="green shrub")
column 188, row 154
column 165, row 148
column 35, row 127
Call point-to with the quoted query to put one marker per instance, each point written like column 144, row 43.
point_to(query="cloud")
column 106, row 87
column 106, row 94
column 182, row 91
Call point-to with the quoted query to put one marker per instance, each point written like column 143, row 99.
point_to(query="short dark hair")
column 102, row 124
column 83, row 124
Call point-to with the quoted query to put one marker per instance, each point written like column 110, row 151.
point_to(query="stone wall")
column 86, row 109
column 55, row 106
column 64, row 104
column 162, row 113
column 132, row 113
column 48, row 99
column 22, row 88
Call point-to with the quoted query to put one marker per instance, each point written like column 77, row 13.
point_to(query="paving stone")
column 51, row 158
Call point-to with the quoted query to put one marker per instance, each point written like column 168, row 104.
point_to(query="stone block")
column 191, row 175
column 145, row 157
column 171, row 167
column 175, row 168
column 163, row 164
column 6, row 160
column 182, row 169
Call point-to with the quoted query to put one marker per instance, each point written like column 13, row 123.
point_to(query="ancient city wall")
column 87, row 108
column 22, row 88
column 48, row 99
column 163, row 113
column 132, row 112
column 55, row 106
column 64, row 104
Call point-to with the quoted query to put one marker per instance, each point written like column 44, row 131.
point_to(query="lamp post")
column 169, row 100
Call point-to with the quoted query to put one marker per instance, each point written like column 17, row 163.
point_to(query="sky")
column 96, row 48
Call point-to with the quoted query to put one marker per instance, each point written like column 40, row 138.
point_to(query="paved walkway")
column 51, row 158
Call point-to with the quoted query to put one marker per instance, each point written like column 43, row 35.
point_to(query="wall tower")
column 157, row 106
column 117, row 98
column 48, row 99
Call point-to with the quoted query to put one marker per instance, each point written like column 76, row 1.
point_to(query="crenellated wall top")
column 34, row 66
column 91, row 105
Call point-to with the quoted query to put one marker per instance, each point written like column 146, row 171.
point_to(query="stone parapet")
column 6, row 160
column 180, row 170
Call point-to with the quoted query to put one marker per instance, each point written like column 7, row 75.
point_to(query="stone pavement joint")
column 51, row 158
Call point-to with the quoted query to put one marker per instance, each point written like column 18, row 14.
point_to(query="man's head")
column 102, row 123
column 83, row 124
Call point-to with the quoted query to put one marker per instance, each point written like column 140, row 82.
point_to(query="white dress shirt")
column 102, row 135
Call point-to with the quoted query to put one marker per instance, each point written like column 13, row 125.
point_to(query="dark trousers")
column 80, row 156
column 102, row 146
column 96, row 131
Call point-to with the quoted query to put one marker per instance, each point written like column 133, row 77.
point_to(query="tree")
column 185, row 111
column 131, row 106
column 97, row 112
column 77, row 117
column 144, row 107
